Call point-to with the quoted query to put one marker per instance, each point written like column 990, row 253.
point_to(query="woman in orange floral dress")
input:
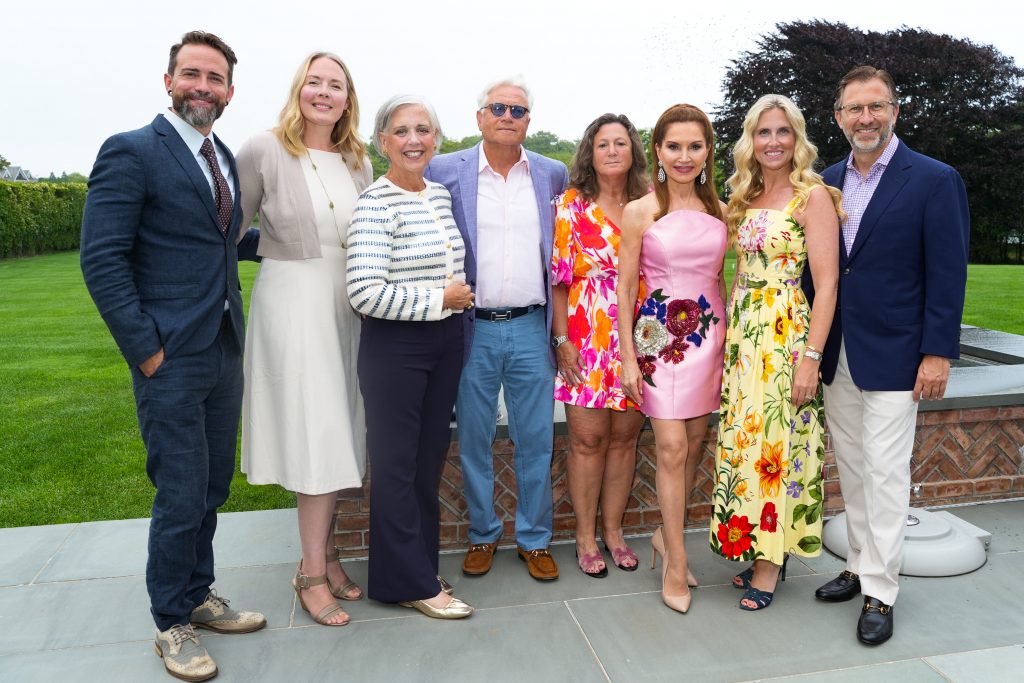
column 608, row 171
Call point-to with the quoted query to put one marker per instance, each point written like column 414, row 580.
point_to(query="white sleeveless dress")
column 303, row 424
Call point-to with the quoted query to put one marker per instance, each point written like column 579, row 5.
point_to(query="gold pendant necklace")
column 330, row 202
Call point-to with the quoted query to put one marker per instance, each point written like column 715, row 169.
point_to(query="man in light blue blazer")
column 161, row 238
column 902, row 274
column 502, row 199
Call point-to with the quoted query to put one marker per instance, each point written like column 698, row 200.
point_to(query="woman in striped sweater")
column 405, row 275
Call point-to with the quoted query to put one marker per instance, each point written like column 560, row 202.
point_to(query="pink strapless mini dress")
column 680, row 330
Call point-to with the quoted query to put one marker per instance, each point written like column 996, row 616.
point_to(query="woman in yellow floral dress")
column 781, row 216
column 608, row 170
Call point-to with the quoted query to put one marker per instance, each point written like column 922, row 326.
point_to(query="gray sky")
column 75, row 72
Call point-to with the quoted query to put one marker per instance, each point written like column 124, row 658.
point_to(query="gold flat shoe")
column 455, row 609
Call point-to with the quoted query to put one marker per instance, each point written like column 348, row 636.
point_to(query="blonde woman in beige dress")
column 303, row 423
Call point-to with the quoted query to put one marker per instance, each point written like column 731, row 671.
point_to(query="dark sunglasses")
column 498, row 109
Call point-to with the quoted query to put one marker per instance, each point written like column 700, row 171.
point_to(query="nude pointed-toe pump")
column 680, row 603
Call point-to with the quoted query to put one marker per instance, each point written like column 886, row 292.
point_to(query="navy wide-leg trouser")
column 409, row 375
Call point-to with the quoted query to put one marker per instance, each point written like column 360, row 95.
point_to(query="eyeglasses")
column 875, row 108
column 518, row 111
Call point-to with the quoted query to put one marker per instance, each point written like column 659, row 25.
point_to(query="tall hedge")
column 36, row 218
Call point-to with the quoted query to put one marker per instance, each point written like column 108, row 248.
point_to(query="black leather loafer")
column 844, row 587
column 875, row 624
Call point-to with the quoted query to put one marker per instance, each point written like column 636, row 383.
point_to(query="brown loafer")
column 479, row 558
column 539, row 563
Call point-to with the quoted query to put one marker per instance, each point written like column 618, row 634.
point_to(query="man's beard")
column 198, row 117
column 884, row 133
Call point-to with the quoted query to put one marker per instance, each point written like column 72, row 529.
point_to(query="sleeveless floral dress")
column 768, row 493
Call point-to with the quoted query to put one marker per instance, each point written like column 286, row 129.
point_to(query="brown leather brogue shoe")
column 479, row 558
column 539, row 563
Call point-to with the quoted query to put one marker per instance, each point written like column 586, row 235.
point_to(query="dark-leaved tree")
column 960, row 102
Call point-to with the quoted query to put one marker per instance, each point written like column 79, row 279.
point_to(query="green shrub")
column 36, row 218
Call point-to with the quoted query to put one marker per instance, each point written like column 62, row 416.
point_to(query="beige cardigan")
column 273, row 185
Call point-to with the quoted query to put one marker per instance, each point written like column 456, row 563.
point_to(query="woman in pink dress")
column 673, row 370
column 609, row 169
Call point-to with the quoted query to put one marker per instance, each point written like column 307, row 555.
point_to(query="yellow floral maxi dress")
column 767, row 497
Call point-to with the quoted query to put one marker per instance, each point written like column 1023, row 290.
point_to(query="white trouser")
column 873, row 436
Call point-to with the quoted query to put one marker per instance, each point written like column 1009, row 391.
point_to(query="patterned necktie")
column 220, row 186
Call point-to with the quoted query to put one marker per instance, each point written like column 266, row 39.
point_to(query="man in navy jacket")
column 161, row 238
column 902, row 275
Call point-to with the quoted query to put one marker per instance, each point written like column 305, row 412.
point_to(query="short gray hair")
column 388, row 109
column 514, row 81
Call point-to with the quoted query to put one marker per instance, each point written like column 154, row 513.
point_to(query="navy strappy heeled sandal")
column 763, row 599
column 744, row 576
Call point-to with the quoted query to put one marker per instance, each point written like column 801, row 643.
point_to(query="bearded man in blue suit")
column 502, row 200
column 161, row 238
column 903, row 271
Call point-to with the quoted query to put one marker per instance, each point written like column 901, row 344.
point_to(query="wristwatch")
column 812, row 353
column 558, row 341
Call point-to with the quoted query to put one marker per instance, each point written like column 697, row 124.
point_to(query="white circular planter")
column 940, row 544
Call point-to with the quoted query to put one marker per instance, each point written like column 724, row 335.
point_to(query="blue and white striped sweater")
column 404, row 248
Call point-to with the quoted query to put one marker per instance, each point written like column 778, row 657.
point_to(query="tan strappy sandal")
column 342, row 592
column 301, row 582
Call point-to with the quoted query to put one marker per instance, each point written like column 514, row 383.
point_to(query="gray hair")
column 388, row 109
column 514, row 81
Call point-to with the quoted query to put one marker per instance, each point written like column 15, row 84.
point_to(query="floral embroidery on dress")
column 650, row 336
column 683, row 317
column 667, row 328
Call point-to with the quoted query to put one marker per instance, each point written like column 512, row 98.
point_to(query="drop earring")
column 703, row 175
column 661, row 172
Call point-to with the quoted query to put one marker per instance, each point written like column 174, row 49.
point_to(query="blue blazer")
column 153, row 256
column 901, row 289
column 459, row 173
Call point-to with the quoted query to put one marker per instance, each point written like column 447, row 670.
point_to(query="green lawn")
column 995, row 298
column 69, row 443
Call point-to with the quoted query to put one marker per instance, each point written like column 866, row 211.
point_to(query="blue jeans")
column 188, row 415
column 512, row 354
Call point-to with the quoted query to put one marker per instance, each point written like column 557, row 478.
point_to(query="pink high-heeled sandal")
column 620, row 555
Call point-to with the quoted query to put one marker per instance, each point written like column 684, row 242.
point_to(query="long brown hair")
column 582, row 176
column 687, row 113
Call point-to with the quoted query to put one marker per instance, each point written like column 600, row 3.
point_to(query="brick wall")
column 960, row 455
